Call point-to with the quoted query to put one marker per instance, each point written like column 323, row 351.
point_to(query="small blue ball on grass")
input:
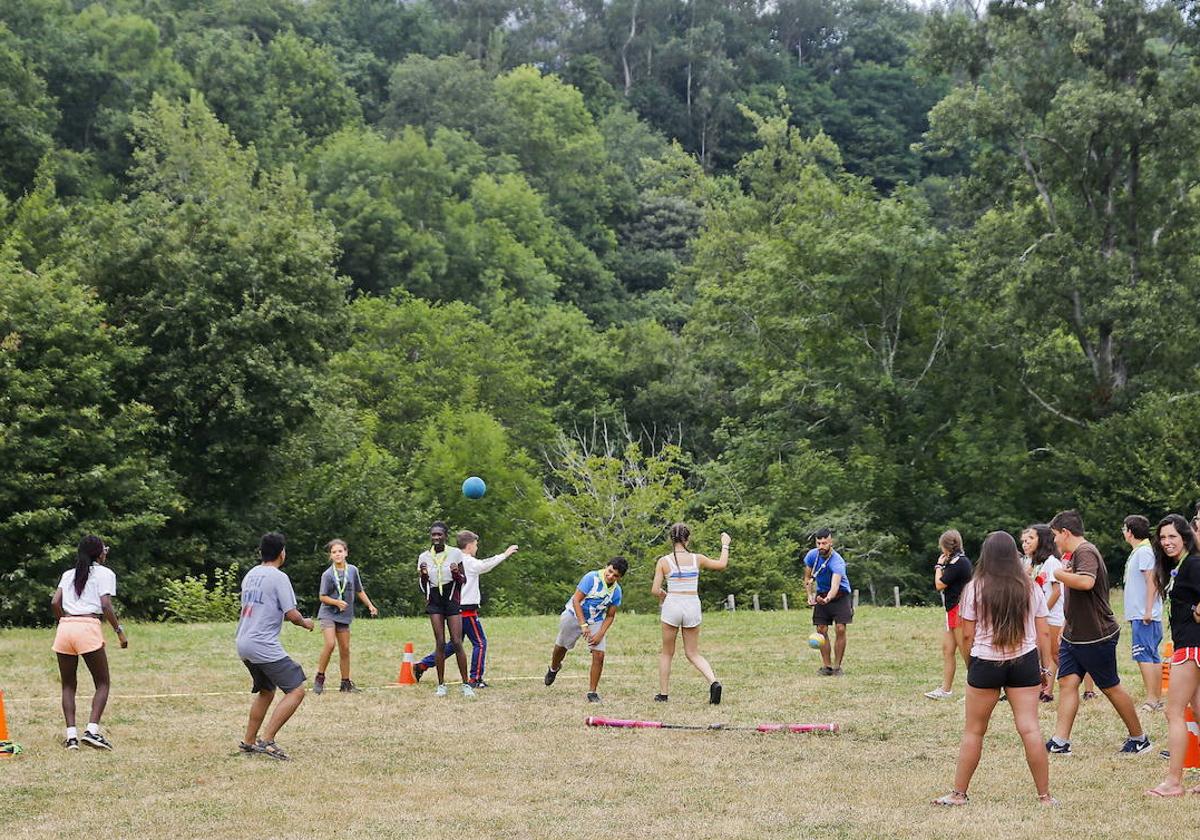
column 474, row 488
column 815, row 640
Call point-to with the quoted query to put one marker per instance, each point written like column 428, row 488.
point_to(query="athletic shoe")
column 348, row 687
column 1165, row 754
column 71, row 743
column 1134, row 746
column 1055, row 748
column 550, row 675
column 1089, row 695
column 593, row 697
column 440, row 691
column 419, row 671
column 939, row 693
column 467, row 690
column 714, row 693
column 95, row 739
column 837, row 672
column 319, row 684
column 479, row 684
column 660, row 698
column 825, row 671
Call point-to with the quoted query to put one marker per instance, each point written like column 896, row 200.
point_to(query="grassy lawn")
column 519, row 762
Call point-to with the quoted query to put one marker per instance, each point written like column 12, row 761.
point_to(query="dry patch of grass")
column 519, row 763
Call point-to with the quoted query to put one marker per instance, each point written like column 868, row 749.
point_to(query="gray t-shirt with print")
column 266, row 595
column 349, row 583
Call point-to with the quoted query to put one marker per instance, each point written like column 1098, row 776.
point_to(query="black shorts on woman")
column 1024, row 671
column 443, row 600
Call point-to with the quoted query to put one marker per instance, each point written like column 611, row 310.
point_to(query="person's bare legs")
column 1055, row 640
column 97, row 664
column 68, row 669
column 839, row 646
column 284, row 709
column 326, row 649
column 597, row 668
column 823, row 629
column 691, row 647
column 343, row 643
column 1184, row 687
column 556, row 657
column 949, row 663
column 1024, row 704
column 258, row 711
column 439, row 645
column 665, row 656
column 980, row 703
column 1068, row 706
column 1123, row 703
column 1152, row 679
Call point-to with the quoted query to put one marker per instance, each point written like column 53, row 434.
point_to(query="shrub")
column 191, row 600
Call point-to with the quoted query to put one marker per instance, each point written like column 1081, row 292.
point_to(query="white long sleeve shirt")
column 474, row 568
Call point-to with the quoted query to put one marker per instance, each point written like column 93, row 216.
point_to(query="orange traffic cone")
column 406, row 669
column 1192, row 757
column 1168, row 652
column 3, row 727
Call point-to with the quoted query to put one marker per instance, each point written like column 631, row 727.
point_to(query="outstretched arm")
column 293, row 615
column 722, row 561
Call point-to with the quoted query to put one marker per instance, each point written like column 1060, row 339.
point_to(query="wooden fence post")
column 729, row 603
column 896, row 592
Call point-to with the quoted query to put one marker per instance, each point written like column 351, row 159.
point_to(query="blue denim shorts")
column 1146, row 640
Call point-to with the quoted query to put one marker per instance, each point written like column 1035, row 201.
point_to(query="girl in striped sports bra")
column 681, row 606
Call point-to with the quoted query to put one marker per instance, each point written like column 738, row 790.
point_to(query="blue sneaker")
column 1135, row 746
column 1054, row 748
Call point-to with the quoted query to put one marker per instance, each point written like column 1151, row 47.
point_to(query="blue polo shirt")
column 824, row 568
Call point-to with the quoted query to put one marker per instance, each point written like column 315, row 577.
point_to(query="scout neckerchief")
column 438, row 564
column 340, row 584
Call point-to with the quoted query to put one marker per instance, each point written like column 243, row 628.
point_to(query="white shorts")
column 681, row 610
column 569, row 632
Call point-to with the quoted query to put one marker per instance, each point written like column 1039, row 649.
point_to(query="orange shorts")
column 1183, row 654
column 78, row 634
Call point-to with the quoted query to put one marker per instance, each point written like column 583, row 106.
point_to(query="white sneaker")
column 939, row 694
column 468, row 691
column 441, row 691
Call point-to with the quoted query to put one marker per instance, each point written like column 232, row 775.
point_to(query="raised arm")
column 722, row 561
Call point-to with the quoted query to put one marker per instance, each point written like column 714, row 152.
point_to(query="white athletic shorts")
column 681, row 610
column 569, row 632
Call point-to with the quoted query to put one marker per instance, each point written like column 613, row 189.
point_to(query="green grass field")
column 519, row 762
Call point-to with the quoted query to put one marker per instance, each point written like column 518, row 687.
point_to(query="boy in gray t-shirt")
column 267, row 599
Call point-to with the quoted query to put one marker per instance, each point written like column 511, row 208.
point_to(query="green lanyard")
column 340, row 584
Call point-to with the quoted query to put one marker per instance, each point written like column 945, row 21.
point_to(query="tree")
column 27, row 117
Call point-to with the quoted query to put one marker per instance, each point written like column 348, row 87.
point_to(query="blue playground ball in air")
column 474, row 488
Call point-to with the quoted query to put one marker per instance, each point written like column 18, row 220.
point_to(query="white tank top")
column 682, row 580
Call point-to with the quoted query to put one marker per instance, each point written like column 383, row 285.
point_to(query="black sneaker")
column 1165, row 754
column 1135, row 746
column 318, row 683
column 348, row 687
column 660, row 698
column 550, row 675
column 714, row 693
column 825, row 671
column 479, row 684
column 95, row 739
column 419, row 671
column 1055, row 748
column 71, row 743
column 593, row 697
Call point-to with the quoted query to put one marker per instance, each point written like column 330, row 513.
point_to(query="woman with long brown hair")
column 1003, row 616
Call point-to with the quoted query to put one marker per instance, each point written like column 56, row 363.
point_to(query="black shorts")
column 838, row 611
column 1098, row 659
column 1023, row 672
column 444, row 600
column 283, row 673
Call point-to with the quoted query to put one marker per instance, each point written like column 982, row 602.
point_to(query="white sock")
column 72, row 732
column 93, row 728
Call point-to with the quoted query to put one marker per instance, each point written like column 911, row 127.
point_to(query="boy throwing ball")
column 589, row 613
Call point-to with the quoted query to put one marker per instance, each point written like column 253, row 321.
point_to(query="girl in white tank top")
column 680, row 571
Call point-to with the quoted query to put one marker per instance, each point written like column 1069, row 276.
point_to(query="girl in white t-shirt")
column 83, row 598
column 1003, row 618
column 1037, row 541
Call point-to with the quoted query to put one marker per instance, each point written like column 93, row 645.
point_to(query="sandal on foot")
column 953, row 799
column 248, row 749
column 1162, row 795
column 273, row 750
column 1047, row 799
column 1089, row 695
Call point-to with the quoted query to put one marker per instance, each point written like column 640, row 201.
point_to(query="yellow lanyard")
column 437, row 565
column 340, row 584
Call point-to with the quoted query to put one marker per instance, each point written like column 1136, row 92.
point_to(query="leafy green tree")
column 27, row 117
column 75, row 457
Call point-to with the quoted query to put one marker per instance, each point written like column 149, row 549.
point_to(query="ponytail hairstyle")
column 1002, row 590
column 679, row 534
column 951, row 543
column 91, row 548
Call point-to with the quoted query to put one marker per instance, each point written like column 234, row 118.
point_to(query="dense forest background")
column 759, row 266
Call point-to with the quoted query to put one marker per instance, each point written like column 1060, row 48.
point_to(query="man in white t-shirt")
column 1143, row 609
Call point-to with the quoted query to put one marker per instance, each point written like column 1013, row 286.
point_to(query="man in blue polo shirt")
column 828, row 590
